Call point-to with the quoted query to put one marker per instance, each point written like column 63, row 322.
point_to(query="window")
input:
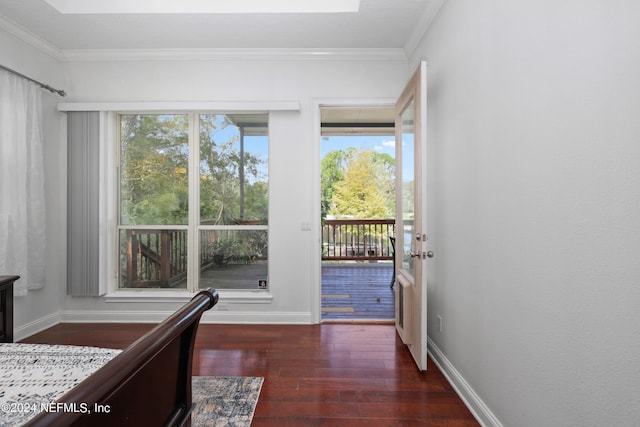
column 193, row 201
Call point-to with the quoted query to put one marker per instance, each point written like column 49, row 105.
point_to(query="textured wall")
column 534, row 201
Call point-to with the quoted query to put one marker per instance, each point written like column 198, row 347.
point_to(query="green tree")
column 384, row 170
column 365, row 190
column 332, row 167
column 257, row 201
column 154, row 187
column 225, row 169
column 154, row 160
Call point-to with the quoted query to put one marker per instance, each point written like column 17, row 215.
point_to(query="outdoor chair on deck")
column 393, row 255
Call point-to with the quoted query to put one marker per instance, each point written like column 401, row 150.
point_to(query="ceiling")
column 357, row 121
column 379, row 24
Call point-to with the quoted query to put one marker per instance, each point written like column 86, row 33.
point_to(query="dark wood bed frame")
column 148, row 384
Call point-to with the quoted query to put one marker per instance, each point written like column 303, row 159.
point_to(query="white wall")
column 231, row 76
column 534, row 200
column 47, row 302
column 293, row 153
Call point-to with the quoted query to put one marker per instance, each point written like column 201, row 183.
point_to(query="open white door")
column 411, row 221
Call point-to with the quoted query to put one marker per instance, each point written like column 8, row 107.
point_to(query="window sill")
column 182, row 296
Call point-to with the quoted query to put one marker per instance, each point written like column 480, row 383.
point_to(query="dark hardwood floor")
column 315, row 375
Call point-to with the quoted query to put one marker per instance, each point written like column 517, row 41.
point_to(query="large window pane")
column 153, row 258
column 229, row 168
column 154, row 152
column 233, row 169
column 233, row 259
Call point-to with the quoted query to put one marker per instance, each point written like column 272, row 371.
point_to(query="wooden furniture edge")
column 133, row 386
column 6, row 307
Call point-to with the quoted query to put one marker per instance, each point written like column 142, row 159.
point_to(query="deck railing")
column 154, row 258
column 158, row 258
column 357, row 239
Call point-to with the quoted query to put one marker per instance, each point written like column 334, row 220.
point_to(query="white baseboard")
column 38, row 325
column 137, row 316
column 108, row 316
column 476, row 405
column 252, row 317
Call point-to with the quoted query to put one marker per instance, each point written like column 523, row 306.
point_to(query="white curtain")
column 22, row 207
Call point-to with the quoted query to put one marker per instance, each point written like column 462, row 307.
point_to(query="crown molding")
column 423, row 25
column 97, row 7
column 388, row 54
column 30, row 38
column 213, row 54
column 181, row 106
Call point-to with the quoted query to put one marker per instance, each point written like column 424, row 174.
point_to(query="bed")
column 148, row 383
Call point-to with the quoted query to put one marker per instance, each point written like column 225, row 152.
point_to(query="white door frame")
column 316, row 237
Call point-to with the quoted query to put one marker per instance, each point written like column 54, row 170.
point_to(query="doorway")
column 357, row 155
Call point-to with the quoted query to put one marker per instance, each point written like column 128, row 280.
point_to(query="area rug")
column 224, row 401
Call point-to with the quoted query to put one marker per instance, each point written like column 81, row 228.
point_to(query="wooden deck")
column 357, row 291
column 234, row 276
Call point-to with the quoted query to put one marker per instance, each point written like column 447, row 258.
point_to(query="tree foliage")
column 154, row 162
column 154, row 174
column 221, row 166
column 358, row 183
column 332, row 168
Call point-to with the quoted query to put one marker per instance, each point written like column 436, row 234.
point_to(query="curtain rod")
column 42, row 85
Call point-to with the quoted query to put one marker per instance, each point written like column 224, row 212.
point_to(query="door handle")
column 423, row 255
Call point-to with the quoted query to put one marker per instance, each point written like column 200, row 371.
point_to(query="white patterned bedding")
column 32, row 376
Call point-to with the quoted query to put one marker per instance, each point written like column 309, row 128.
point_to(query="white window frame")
column 112, row 161
column 109, row 211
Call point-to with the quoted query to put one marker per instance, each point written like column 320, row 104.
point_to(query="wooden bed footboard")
column 148, row 384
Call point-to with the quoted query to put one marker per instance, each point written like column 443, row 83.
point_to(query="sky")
column 381, row 144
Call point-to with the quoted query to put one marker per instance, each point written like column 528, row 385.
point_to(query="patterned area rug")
column 224, row 401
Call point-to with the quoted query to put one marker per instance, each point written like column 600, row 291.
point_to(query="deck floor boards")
column 350, row 291
column 357, row 291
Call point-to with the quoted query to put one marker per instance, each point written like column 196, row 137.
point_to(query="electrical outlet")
column 439, row 322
